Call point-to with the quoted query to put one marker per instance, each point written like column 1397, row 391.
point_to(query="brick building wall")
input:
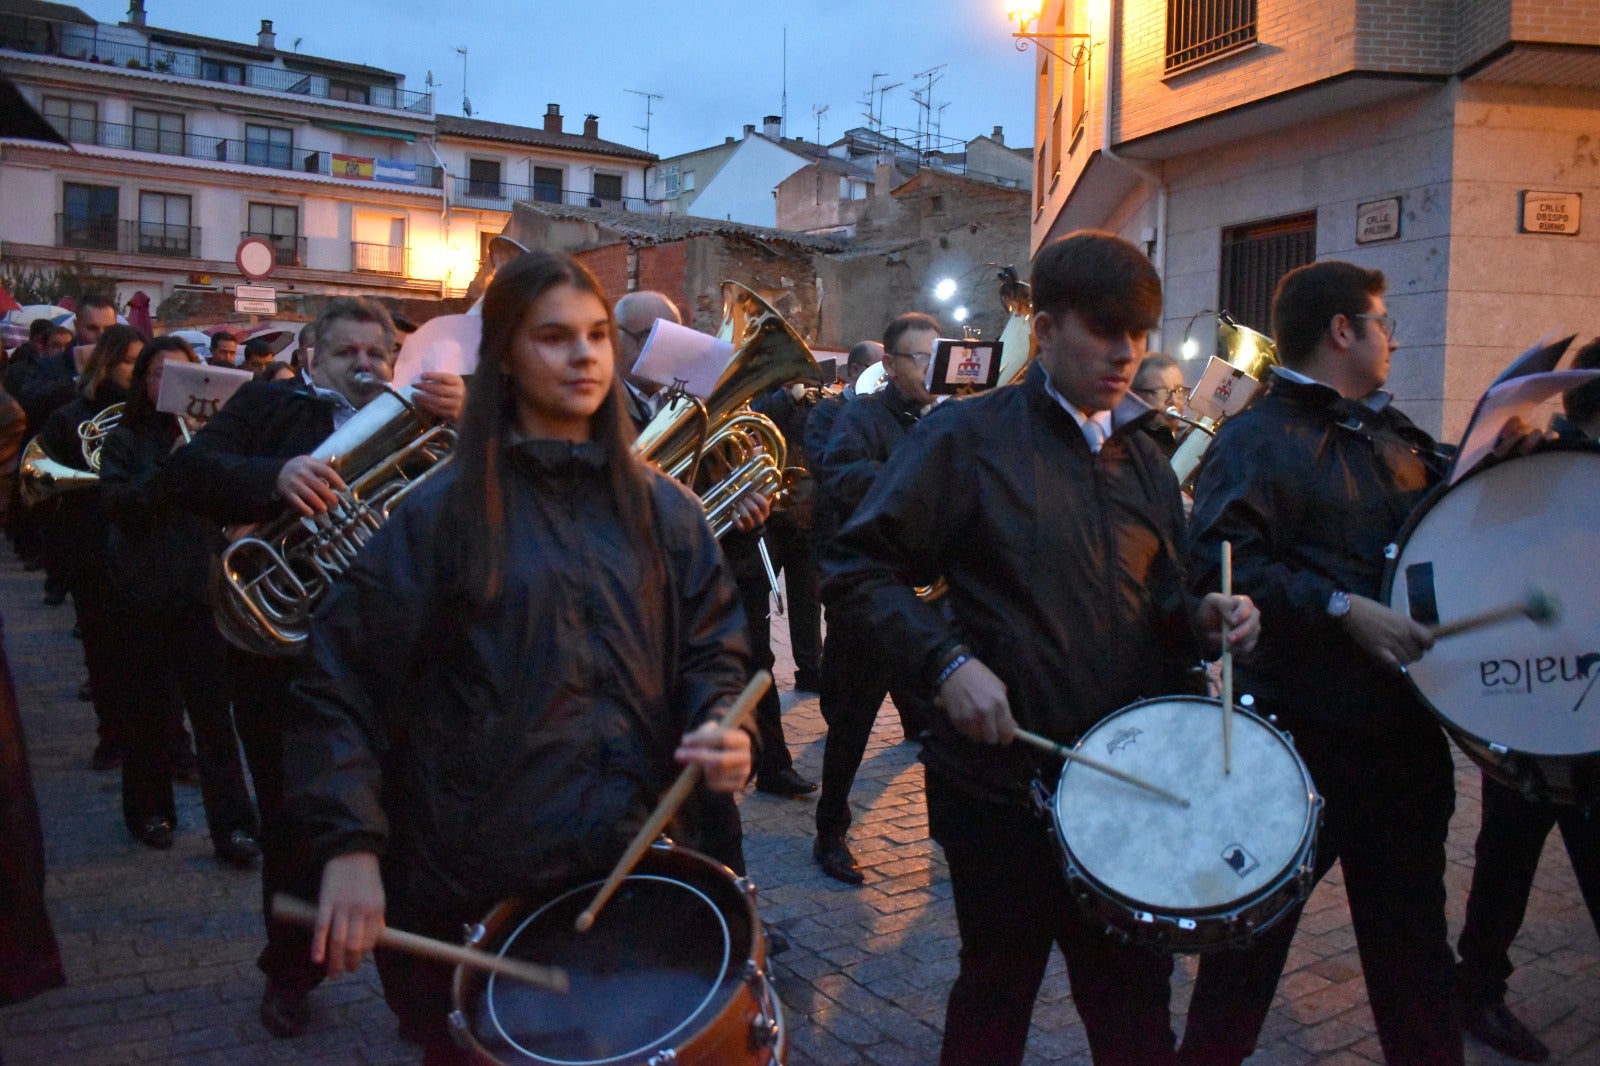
column 664, row 268
column 1406, row 36
column 610, row 266
column 1481, row 27
column 1556, row 21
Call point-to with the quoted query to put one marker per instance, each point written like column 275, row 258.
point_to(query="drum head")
column 664, row 956
column 1528, row 523
column 1241, row 833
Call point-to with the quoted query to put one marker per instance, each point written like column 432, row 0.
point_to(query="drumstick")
column 670, row 802
column 1540, row 605
column 1063, row 752
column 1227, row 663
column 553, row 978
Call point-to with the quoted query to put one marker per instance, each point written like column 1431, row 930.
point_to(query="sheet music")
column 446, row 344
column 675, row 353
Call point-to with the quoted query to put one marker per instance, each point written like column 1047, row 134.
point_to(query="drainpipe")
column 1113, row 42
column 444, row 213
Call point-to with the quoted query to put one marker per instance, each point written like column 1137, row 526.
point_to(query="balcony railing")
column 378, row 258
column 127, row 235
column 499, row 196
column 291, row 250
column 254, row 153
column 77, row 42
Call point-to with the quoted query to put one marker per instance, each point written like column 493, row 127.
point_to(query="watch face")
column 1339, row 604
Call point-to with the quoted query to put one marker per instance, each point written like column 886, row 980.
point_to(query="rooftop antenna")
column 649, row 104
column 783, row 100
column 466, row 102
column 297, row 41
column 924, row 99
column 874, row 101
column 817, row 111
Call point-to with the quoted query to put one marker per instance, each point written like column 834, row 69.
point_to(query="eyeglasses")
column 1384, row 322
column 639, row 335
column 922, row 359
column 1174, row 394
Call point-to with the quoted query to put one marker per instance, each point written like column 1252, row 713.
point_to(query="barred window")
column 1255, row 257
column 1197, row 30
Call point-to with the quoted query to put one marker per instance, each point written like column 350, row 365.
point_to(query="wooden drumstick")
column 669, row 804
column 1061, row 751
column 1227, row 663
column 551, row 978
column 1540, row 605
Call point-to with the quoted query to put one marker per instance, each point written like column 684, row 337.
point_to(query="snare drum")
column 674, row 970
column 1521, row 699
column 1200, row 878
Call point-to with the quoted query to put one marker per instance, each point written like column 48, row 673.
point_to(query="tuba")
column 749, row 449
column 272, row 578
column 1247, row 355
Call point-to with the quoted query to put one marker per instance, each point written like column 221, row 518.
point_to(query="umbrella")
column 276, row 336
column 7, row 301
column 139, row 314
column 200, row 342
column 54, row 312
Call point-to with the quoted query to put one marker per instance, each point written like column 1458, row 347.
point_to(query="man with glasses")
column 858, row 670
column 636, row 315
column 1159, row 383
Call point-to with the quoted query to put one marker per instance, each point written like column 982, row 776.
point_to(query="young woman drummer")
column 520, row 659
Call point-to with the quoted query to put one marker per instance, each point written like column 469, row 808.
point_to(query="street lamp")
column 1023, row 12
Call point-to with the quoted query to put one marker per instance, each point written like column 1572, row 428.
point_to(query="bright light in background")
column 960, row 314
column 1191, row 348
column 945, row 289
column 1022, row 12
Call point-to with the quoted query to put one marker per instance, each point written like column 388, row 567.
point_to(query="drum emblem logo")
column 1239, row 860
column 1122, row 738
column 1507, row 676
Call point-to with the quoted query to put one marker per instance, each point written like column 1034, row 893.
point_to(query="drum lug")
column 1391, row 551
column 457, row 1023
column 745, row 885
column 474, row 933
column 662, row 1057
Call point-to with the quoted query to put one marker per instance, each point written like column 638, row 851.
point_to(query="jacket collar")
column 903, row 409
column 556, row 458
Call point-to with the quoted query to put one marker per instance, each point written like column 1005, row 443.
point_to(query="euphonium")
column 271, row 580
column 767, row 353
column 40, row 477
column 92, row 433
column 1249, row 355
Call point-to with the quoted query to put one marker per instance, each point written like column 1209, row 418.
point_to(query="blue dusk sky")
column 716, row 65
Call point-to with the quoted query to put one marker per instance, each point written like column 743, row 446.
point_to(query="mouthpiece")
column 365, row 378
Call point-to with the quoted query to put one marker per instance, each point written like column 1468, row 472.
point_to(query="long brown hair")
column 140, row 407
column 108, row 352
column 477, row 505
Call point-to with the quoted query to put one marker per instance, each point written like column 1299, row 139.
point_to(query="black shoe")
column 777, row 943
column 284, row 1010
column 785, row 782
column 833, row 854
column 1493, row 1024
column 156, row 833
column 106, row 757
column 807, row 681
column 240, row 850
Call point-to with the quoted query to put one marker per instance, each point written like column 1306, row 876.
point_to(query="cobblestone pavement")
column 159, row 947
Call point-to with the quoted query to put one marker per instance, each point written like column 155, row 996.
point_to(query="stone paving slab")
column 160, row 947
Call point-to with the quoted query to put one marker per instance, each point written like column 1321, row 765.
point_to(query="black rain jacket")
column 498, row 751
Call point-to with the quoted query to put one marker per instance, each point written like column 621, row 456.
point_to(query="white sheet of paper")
column 1221, row 391
column 197, row 389
column 446, row 344
column 675, row 353
column 1511, row 397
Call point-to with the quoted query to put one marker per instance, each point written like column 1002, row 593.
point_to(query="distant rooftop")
column 533, row 135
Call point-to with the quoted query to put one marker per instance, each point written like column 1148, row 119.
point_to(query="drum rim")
column 1308, row 832
column 1391, row 570
column 659, row 1041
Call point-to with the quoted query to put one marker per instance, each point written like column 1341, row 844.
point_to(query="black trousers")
column 1012, row 909
column 1510, row 841
column 856, row 676
column 175, row 659
column 103, row 629
column 792, row 556
column 260, row 707
column 756, row 594
column 1389, row 798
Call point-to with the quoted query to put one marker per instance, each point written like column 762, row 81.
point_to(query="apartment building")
column 182, row 146
column 1449, row 143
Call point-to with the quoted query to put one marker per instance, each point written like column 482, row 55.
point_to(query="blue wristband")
column 951, row 667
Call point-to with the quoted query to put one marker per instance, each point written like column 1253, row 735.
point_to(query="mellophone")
column 1520, row 699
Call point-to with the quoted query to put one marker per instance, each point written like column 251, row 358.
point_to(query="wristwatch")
column 1338, row 604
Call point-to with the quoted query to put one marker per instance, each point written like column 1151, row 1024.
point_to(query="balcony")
column 127, row 235
column 291, row 250
column 378, row 258
column 70, row 41
column 499, row 196
column 273, row 155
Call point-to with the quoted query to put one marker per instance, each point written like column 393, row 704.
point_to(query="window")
column 279, row 224
column 75, row 119
column 1055, row 143
column 608, row 186
column 157, row 131
column 483, row 177
column 1198, row 30
column 688, row 181
column 1080, row 96
column 268, row 146
column 349, row 92
column 164, row 224
column 380, row 244
column 936, row 205
column 1255, row 257
column 669, row 182
column 547, row 184
column 484, row 237
column 89, row 216
column 223, row 71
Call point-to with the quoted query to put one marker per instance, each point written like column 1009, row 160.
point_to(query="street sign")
column 255, row 292
column 255, row 258
column 255, row 299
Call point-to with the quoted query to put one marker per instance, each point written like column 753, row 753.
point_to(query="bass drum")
column 1209, row 876
column 674, row 970
column 1521, row 699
